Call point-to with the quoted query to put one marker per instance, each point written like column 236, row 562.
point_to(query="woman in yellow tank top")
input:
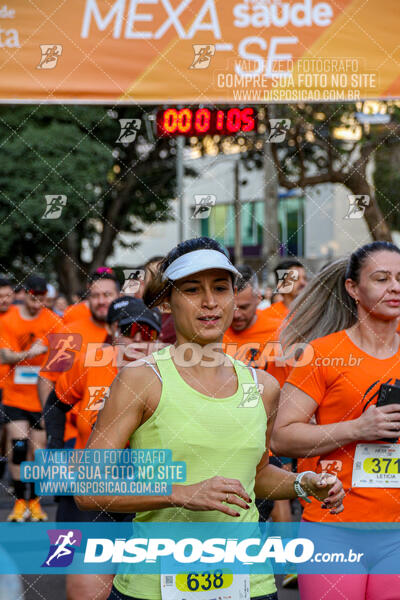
column 189, row 398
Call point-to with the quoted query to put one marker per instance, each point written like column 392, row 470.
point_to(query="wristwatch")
column 298, row 488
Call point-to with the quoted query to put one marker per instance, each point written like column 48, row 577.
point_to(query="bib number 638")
column 202, row 582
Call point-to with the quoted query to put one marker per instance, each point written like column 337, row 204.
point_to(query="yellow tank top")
column 214, row 436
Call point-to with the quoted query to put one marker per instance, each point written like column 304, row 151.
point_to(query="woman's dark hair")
column 359, row 256
column 157, row 290
column 324, row 306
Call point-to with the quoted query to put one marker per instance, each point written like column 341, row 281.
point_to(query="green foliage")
column 387, row 182
column 72, row 150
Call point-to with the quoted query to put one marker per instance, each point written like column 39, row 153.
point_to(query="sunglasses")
column 102, row 270
column 36, row 293
column 147, row 332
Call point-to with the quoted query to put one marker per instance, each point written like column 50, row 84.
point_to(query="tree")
column 387, row 181
column 312, row 153
column 109, row 187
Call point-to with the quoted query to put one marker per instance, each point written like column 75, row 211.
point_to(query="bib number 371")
column 203, row 585
column 376, row 465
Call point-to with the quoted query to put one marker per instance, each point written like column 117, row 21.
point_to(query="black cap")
column 36, row 284
column 127, row 310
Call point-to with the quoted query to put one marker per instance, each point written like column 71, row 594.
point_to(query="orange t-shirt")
column 73, row 339
column 278, row 310
column 275, row 314
column 255, row 345
column 76, row 312
column 18, row 334
column 67, row 344
column 343, row 380
column 87, row 388
column 4, row 369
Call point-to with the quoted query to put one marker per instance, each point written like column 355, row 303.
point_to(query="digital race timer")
column 172, row 122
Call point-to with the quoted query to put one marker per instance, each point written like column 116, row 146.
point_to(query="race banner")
column 199, row 51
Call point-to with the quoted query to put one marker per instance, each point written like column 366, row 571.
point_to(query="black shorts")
column 13, row 413
column 116, row 595
column 67, row 510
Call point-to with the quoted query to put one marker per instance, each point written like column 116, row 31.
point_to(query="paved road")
column 52, row 587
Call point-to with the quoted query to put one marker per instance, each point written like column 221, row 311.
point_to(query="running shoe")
column 37, row 514
column 19, row 512
column 290, row 581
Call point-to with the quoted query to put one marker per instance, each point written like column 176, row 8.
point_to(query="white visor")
column 196, row 261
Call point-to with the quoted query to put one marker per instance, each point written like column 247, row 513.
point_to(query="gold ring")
column 226, row 498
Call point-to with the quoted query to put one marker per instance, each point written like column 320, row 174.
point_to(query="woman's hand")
column 216, row 493
column 376, row 423
column 325, row 487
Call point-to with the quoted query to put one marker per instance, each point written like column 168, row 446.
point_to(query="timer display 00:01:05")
column 204, row 121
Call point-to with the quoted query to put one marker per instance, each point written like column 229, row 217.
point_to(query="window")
column 220, row 225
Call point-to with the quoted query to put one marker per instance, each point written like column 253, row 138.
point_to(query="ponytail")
column 323, row 307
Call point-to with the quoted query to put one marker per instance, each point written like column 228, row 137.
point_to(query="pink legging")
column 349, row 587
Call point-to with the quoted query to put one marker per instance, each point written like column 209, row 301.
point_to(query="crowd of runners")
column 314, row 352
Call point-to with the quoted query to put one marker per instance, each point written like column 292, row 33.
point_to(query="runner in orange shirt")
column 81, row 310
column 23, row 339
column 250, row 331
column 103, row 288
column 291, row 279
column 87, row 387
column 76, row 312
column 6, row 309
column 351, row 312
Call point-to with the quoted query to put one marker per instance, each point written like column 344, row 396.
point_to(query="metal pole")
column 270, row 251
column 238, row 220
column 180, row 142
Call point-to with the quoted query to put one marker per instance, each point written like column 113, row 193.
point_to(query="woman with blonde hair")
column 348, row 314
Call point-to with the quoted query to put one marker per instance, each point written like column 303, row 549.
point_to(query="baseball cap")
column 126, row 310
column 35, row 284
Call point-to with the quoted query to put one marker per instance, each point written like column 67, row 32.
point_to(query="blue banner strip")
column 349, row 548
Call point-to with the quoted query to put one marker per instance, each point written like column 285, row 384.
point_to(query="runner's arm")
column 295, row 436
column 117, row 421
column 120, row 417
column 275, row 483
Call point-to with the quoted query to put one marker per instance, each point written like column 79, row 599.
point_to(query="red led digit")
column 184, row 120
column 170, row 121
column 219, row 125
column 233, row 120
column 248, row 122
column 202, row 120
